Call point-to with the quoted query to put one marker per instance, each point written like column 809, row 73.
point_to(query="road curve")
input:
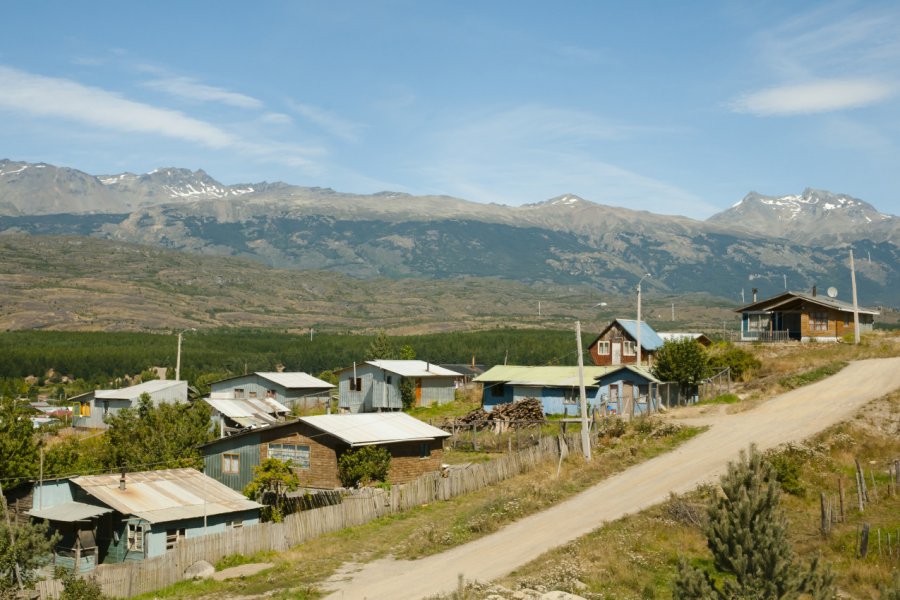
column 793, row 416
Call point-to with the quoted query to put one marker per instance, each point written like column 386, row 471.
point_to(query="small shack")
column 89, row 409
column 314, row 445
column 133, row 516
column 377, row 385
column 292, row 389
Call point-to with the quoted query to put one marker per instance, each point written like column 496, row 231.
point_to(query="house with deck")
column 617, row 343
column 89, row 409
column 802, row 317
column 314, row 444
column 618, row 389
column 376, row 385
column 132, row 516
column 292, row 389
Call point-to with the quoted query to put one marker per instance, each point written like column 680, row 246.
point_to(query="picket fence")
column 139, row 577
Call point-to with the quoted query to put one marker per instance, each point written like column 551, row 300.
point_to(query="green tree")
column 364, row 465
column 682, row 361
column 76, row 456
column 20, row 558
column 747, row 534
column 407, row 352
column 381, row 348
column 163, row 437
column 272, row 480
column 18, row 448
column 741, row 362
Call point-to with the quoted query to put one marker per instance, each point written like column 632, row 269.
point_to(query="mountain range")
column 761, row 242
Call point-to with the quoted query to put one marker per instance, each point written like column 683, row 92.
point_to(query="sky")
column 671, row 107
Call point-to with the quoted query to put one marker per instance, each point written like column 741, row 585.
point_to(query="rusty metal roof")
column 163, row 496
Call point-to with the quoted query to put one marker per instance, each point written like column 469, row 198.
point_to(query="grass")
column 721, row 399
column 439, row 526
column 811, row 376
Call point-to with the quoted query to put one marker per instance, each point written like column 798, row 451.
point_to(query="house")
column 231, row 415
column 314, row 445
column 90, row 409
column 617, row 343
column 375, row 385
column 677, row 336
column 293, row 389
column 801, row 316
column 133, row 516
column 614, row 386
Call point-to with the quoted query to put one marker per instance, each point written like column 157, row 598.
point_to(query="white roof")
column 296, row 379
column 366, row 429
column 413, row 368
column 255, row 412
column 134, row 392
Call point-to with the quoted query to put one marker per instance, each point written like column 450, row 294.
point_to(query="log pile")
column 529, row 409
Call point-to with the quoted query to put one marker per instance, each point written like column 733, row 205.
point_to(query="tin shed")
column 375, row 385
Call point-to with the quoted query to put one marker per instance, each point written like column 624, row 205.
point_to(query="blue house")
column 118, row 518
column 375, row 385
column 615, row 389
column 294, row 390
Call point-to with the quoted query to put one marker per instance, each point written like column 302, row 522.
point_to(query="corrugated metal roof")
column 296, row 379
column 162, row 496
column 649, row 339
column 785, row 297
column 553, row 376
column 134, row 392
column 365, row 429
column 413, row 368
column 69, row 512
column 247, row 413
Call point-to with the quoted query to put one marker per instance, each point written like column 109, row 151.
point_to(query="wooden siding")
column 616, row 336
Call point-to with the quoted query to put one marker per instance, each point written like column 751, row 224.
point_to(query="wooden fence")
column 133, row 578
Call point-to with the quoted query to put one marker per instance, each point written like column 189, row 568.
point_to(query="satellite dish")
column 832, row 292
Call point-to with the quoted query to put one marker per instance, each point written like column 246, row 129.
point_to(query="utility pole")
column 178, row 356
column 673, row 311
column 585, row 433
column 855, row 305
column 639, row 318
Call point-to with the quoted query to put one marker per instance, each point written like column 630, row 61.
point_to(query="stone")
column 199, row 570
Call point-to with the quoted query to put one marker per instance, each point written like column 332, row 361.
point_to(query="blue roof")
column 649, row 338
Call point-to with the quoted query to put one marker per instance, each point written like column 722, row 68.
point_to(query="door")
column 613, row 398
column 617, row 352
column 627, row 399
column 418, row 391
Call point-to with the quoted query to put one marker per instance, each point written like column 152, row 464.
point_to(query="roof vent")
column 122, row 481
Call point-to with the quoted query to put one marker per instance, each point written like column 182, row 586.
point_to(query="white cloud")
column 815, row 97
column 55, row 97
column 328, row 121
column 190, row 89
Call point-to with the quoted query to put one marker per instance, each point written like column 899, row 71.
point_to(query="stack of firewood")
column 529, row 409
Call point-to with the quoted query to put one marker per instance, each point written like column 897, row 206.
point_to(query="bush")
column 363, row 466
column 741, row 362
column 77, row 588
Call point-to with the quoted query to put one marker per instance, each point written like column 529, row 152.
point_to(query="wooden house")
column 133, row 516
column 617, row 343
column 90, row 409
column 803, row 317
column 375, row 385
column 611, row 388
column 314, row 445
column 292, row 389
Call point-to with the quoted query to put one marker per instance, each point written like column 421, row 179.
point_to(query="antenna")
column 832, row 292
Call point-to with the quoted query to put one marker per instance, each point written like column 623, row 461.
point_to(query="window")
column 252, row 394
column 424, row 450
column 135, row 537
column 818, row 321
column 270, row 393
column 355, row 384
column 387, row 380
column 603, row 347
column 86, row 409
column 498, row 390
column 297, row 454
column 231, row 463
column 628, row 348
column 105, row 407
column 571, row 396
column 238, row 393
column 173, row 536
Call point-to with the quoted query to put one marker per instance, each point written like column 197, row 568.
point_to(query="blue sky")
column 671, row 107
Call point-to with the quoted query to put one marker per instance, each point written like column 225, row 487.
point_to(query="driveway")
column 793, row 416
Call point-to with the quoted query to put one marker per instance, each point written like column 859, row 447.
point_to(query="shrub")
column 365, row 465
column 741, row 362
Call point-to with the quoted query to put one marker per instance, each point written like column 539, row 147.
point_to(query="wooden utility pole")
column 855, row 304
column 585, row 429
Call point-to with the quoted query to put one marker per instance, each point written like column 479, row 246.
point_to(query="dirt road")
column 790, row 417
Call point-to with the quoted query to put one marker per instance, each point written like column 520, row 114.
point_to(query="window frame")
column 818, row 320
column 134, row 537
column 295, row 452
column 603, row 348
column 629, row 348
column 231, row 463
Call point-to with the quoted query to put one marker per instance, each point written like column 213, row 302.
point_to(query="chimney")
column 754, row 294
column 814, row 291
column 122, row 481
column 427, row 366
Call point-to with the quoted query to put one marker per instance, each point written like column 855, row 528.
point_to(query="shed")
column 617, row 343
column 117, row 518
column 231, row 415
column 558, row 390
column 294, row 389
column 314, row 445
column 376, row 385
column 801, row 316
column 90, row 409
